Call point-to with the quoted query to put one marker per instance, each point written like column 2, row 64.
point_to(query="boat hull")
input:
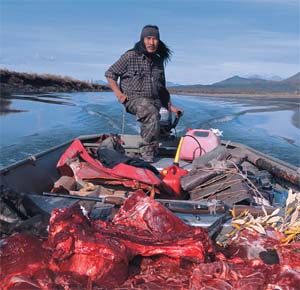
column 38, row 173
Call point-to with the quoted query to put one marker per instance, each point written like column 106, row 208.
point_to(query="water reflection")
column 6, row 101
column 5, row 107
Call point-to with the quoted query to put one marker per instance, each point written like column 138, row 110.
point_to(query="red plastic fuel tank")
column 171, row 176
column 198, row 142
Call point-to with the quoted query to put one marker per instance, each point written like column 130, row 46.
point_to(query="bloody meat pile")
column 145, row 246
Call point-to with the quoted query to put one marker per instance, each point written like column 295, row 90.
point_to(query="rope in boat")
column 123, row 121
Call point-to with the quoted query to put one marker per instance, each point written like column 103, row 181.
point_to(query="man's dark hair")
column 163, row 50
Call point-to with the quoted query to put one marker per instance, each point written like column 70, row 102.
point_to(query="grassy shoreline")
column 13, row 83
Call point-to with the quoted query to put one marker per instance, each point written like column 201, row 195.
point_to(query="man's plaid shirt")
column 140, row 76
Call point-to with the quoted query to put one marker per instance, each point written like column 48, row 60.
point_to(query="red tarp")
column 91, row 169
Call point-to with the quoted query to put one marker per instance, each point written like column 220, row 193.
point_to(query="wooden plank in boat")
column 230, row 190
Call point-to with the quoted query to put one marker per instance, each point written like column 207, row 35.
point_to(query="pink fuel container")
column 198, row 142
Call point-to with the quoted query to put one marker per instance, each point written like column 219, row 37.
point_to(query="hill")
column 293, row 79
column 21, row 83
column 236, row 80
column 237, row 85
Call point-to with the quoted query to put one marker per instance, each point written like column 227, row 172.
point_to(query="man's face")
column 151, row 44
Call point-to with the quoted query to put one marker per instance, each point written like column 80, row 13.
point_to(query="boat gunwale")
column 264, row 155
column 34, row 158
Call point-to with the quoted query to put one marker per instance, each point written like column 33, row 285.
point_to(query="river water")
column 49, row 120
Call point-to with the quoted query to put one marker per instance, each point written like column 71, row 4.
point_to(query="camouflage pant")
column 147, row 113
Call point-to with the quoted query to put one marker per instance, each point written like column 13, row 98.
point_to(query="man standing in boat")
column 142, row 89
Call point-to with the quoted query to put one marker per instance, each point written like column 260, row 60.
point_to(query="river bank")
column 13, row 83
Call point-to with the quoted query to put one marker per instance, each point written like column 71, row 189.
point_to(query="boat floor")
column 162, row 162
column 167, row 150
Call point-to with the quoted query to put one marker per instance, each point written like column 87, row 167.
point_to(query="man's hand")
column 122, row 98
column 179, row 112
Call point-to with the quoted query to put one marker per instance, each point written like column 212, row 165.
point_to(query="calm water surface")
column 264, row 126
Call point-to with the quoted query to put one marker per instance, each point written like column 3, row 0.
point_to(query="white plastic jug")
column 198, row 142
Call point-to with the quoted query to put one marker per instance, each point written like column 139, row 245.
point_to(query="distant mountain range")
column 264, row 77
column 237, row 84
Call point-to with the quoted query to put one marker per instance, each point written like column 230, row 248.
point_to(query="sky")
column 211, row 40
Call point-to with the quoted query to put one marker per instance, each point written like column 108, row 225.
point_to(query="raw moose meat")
column 160, row 273
column 144, row 247
column 75, row 248
column 238, row 274
column 251, row 245
column 148, row 228
column 102, row 250
column 289, row 255
column 21, row 256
